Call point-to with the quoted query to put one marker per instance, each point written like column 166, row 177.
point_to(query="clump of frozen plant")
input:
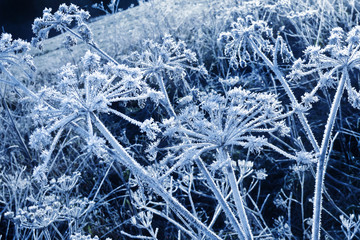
column 240, row 118
column 95, row 90
column 60, row 21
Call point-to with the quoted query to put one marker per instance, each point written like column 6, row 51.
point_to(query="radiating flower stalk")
column 335, row 57
column 168, row 60
column 232, row 121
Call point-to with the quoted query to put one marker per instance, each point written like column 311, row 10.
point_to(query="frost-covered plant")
column 212, row 166
column 60, row 21
column 339, row 57
column 237, row 119
column 236, row 41
column 350, row 226
column 169, row 58
column 222, row 123
column 14, row 54
column 282, row 229
column 94, row 91
column 340, row 53
column 79, row 236
column 113, row 6
column 267, row 49
column 40, row 206
column 166, row 63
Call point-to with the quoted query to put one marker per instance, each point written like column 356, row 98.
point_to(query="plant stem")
column 138, row 170
column 169, row 219
column 169, row 106
column 93, row 45
column 17, row 83
column 237, row 197
column 321, row 165
column 290, row 94
column 21, row 140
column 229, row 214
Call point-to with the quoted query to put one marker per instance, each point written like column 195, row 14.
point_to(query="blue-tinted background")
column 16, row 16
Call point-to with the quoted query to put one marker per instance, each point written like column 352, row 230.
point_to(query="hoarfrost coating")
column 206, row 120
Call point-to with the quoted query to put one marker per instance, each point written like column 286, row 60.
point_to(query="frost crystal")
column 150, row 128
column 40, row 139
